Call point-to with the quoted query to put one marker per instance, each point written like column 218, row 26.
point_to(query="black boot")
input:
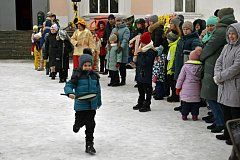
column 145, row 107
column 89, row 148
column 75, row 128
column 138, row 106
column 217, row 129
column 53, row 75
column 173, row 99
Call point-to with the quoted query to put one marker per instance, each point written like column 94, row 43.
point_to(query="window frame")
column 98, row 12
column 184, row 7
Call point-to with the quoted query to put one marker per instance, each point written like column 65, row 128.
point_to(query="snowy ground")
column 36, row 123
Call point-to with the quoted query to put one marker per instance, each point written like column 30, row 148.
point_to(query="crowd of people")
column 194, row 63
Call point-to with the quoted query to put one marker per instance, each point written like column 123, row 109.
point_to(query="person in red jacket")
column 103, row 52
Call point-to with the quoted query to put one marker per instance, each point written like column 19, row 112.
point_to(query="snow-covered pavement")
column 36, row 123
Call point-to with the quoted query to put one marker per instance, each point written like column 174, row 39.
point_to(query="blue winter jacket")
column 81, row 83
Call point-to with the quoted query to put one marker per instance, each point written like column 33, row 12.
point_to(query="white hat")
column 55, row 27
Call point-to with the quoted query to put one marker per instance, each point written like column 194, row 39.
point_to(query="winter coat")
column 48, row 24
column 82, row 39
column 185, row 45
column 227, row 72
column 189, row 81
column 100, row 34
column 144, row 66
column 113, row 57
column 159, row 66
column 171, row 57
column 123, row 37
column 209, row 55
column 57, row 51
column 81, row 83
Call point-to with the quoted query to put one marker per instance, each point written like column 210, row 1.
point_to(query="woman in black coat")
column 57, row 49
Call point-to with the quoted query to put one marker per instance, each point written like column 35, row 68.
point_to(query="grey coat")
column 227, row 72
column 123, row 35
column 113, row 57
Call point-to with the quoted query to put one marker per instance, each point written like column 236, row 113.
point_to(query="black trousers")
column 171, row 85
column 145, row 92
column 230, row 113
column 102, row 63
column 86, row 118
column 114, row 75
column 188, row 107
column 123, row 72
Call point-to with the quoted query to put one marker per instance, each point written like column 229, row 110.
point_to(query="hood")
column 194, row 68
column 236, row 26
column 227, row 20
column 121, row 25
column 152, row 27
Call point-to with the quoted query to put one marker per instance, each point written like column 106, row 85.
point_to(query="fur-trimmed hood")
column 154, row 26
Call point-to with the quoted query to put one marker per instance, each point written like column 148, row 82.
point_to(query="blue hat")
column 85, row 58
column 213, row 20
column 154, row 18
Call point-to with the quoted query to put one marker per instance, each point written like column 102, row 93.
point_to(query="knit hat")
column 154, row 18
column 140, row 20
column 213, row 20
column 111, row 16
column 187, row 24
column 55, row 27
column 113, row 38
column 176, row 21
column 87, row 51
column 224, row 12
column 195, row 54
column 85, row 58
column 172, row 37
column 145, row 38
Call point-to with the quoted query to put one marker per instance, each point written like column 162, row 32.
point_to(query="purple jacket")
column 189, row 81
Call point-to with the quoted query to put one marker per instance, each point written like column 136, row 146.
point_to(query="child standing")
column 144, row 65
column 189, row 84
column 85, row 81
column 35, row 51
column 114, row 58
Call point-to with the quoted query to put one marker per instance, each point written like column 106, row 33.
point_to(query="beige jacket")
column 81, row 40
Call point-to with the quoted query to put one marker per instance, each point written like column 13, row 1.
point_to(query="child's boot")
column 138, row 106
column 89, row 148
column 53, row 75
column 145, row 107
column 75, row 128
column 194, row 117
column 184, row 118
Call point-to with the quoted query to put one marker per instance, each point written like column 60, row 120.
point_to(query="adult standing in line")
column 210, row 54
column 123, row 35
column 82, row 38
column 108, row 30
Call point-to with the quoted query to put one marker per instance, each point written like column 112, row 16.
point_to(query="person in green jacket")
column 210, row 54
column 173, row 41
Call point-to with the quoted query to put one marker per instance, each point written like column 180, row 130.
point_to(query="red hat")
column 145, row 38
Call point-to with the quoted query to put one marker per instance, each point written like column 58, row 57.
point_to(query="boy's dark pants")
column 86, row 118
column 114, row 75
column 188, row 107
column 63, row 73
column 171, row 84
column 144, row 89
column 159, row 89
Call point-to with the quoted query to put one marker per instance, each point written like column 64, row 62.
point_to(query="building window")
column 184, row 5
column 103, row 6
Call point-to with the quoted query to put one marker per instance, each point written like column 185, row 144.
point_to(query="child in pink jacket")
column 189, row 84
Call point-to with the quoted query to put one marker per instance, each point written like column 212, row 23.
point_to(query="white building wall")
column 7, row 15
column 39, row 5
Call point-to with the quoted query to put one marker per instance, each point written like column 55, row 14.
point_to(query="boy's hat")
column 35, row 27
column 225, row 11
column 172, row 37
column 85, row 58
column 145, row 38
column 195, row 54
column 188, row 24
column 113, row 38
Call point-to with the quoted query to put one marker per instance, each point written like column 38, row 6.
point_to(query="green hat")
column 213, row 20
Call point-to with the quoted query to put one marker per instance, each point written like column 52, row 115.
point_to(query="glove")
column 118, row 65
column 178, row 90
column 72, row 96
column 216, row 80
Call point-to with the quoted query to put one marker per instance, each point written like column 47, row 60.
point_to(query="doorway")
column 23, row 14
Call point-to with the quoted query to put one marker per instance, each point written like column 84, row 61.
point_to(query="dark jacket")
column 210, row 54
column 81, row 83
column 185, row 45
column 107, row 33
column 144, row 66
column 57, row 51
